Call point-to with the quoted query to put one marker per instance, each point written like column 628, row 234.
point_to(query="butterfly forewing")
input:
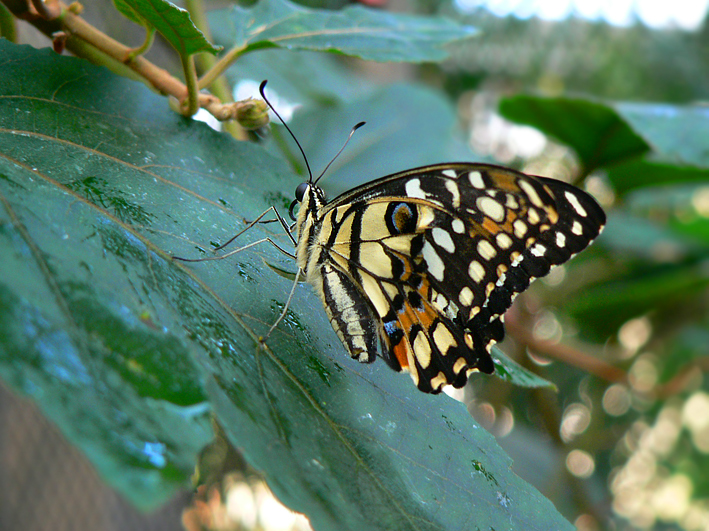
column 426, row 262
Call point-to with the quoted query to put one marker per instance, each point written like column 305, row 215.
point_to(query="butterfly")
column 420, row 266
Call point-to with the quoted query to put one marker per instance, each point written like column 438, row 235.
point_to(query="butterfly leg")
column 286, row 228
column 262, row 339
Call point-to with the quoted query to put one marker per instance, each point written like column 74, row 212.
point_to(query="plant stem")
column 86, row 41
column 221, row 65
column 192, row 88
column 159, row 79
column 206, row 62
column 149, row 38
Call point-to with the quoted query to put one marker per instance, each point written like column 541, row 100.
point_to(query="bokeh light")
column 580, row 463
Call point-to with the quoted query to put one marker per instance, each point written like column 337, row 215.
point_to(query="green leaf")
column 170, row 21
column 637, row 237
column 639, row 144
column 596, row 131
column 357, row 31
column 128, row 351
column 305, row 78
column 677, row 133
column 661, row 290
column 394, row 138
column 510, row 371
column 131, row 14
column 684, row 208
column 637, row 174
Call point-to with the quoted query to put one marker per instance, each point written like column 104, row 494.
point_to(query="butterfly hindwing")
column 427, row 261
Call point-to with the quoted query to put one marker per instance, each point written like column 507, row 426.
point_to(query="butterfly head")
column 310, row 194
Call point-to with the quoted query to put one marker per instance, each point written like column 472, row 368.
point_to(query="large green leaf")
column 640, row 144
column 305, row 78
column 661, row 290
column 127, row 351
column 406, row 126
column 358, row 31
column 170, row 21
column 637, row 174
column 677, row 133
column 595, row 131
column 682, row 206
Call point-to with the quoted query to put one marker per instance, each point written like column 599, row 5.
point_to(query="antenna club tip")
column 358, row 126
column 262, row 85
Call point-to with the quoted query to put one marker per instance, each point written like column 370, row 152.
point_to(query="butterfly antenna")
column 263, row 95
column 341, row 150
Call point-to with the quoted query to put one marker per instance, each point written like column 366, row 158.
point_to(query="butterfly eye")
column 299, row 195
column 300, row 192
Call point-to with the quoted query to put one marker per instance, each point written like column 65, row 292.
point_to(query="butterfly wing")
column 428, row 260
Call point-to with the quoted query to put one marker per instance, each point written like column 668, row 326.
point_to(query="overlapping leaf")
column 357, row 31
column 595, row 131
column 170, row 21
column 639, row 144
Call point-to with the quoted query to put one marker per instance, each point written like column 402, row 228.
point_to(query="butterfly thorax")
column 308, row 229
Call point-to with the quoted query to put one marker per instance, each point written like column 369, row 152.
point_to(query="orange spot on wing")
column 410, row 316
column 426, row 315
column 401, row 353
column 505, row 181
column 491, row 226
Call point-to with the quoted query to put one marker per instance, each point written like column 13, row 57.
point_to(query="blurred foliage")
column 622, row 330
column 580, row 56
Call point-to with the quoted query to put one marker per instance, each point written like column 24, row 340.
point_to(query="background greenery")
column 132, row 354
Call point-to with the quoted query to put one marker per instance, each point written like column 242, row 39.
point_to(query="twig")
column 86, row 41
column 206, row 62
column 565, row 353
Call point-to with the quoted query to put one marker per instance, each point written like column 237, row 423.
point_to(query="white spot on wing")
column 438, row 381
column 422, row 350
column 533, row 216
column 571, row 198
column 538, row 250
column 443, row 239
column 476, row 271
column 504, row 241
column 426, row 217
column 516, row 258
column 449, row 173
column 560, row 239
column 452, row 187
column 458, row 226
column 459, row 365
column 531, row 193
column 466, row 296
column 443, row 338
column 476, row 179
column 491, row 208
column 433, row 261
column 512, row 201
column 486, row 250
column 577, row 228
column 441, row 302
column 452, row 310
column 413, row 189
